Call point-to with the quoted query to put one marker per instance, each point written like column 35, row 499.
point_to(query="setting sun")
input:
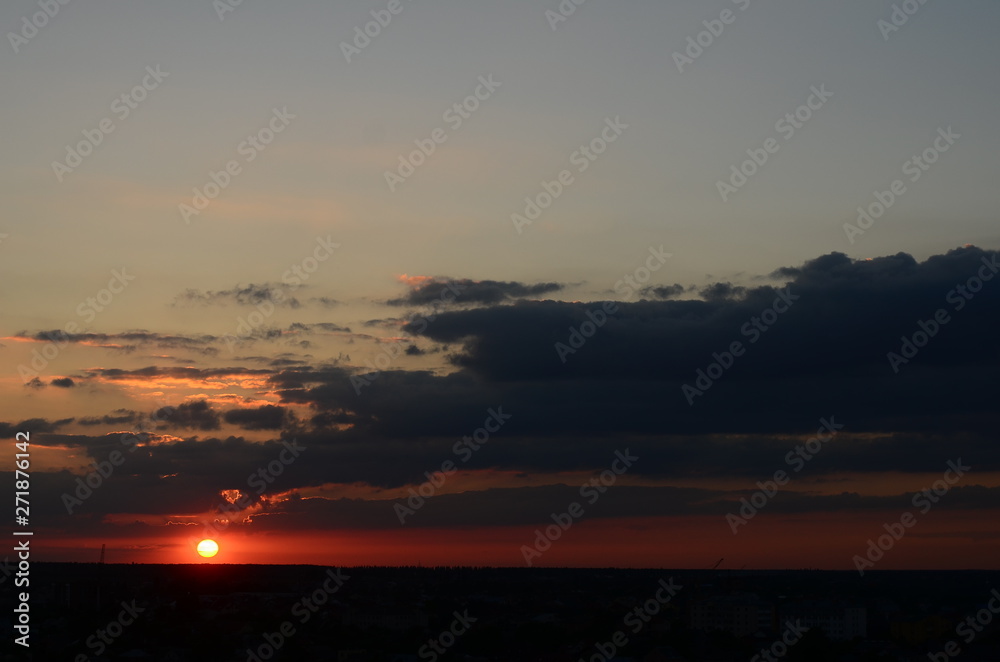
column 208, row 548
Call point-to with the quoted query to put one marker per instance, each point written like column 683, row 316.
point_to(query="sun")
column 208, row 548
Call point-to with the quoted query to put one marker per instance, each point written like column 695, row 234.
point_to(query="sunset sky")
column 278, row 269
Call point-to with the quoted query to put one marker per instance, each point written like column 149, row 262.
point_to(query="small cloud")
column 664, row 291
column 241, row 295
column 437, row 290
column 719, row 292
column 117, row 417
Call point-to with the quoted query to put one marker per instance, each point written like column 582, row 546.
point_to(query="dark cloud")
column 117, row 417
column 63, row 382
column 197, row 415
column 188, row 475
column 186, row 491
column 846, row 316
column 267, row 417
column 347, row 456
column 32, row 426
column 155, row 372
column 324, row 302
column 327, row 419
column 722, row 292
column 240, row 295
column 785, row 273
column 95, row 446
column 464, row 291
column 283, row 363
column 128, row 341
column 165, row 478
column 566, row 426
column 391, row 323
column 664, row 291
column 252, row 295
column 293, row 334
column 522, row 506
column 318, row 327
column 826, row 357
column 827, row 354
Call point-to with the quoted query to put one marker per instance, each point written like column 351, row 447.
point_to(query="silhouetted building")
column 839, row 621
column 739, row 614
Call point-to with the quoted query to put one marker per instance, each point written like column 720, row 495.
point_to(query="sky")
column 396, row 282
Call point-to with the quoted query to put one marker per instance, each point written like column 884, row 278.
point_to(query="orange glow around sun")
column 208, row 548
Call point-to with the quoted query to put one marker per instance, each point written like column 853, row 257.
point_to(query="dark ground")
column 85, row 612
